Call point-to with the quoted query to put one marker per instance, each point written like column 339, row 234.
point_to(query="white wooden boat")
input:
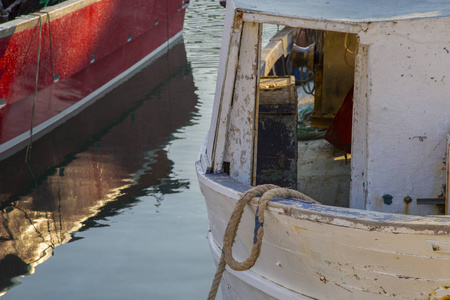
column 382, row 228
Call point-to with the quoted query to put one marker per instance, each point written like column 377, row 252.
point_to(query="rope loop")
column 233, row 224
column 267, row 193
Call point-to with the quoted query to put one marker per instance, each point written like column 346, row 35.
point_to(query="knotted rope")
column 268, row 192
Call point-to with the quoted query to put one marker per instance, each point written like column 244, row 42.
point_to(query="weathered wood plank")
column 224, row 90
column 240, row 137
column 447, row 186
column 278, row 46
column 359, row 131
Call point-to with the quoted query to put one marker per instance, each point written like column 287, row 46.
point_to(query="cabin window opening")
column 305, row 111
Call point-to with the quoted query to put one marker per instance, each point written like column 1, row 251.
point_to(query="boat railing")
column 279, row 46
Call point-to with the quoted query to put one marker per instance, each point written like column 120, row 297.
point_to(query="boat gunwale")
column 24, row 22
column 338, row 216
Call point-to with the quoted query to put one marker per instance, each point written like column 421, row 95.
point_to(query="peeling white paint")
column 371, row 250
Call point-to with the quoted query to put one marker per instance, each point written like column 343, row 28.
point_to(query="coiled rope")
column 267, row 193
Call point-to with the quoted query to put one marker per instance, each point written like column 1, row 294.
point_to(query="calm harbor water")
column 109, row 206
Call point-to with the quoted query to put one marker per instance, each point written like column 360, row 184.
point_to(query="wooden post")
column 224, row 91
column 237, row 129
column 447, row 206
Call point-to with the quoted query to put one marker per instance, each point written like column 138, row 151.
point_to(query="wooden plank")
column 24, row 22
column 358, row 188
column 306, row 22
column 346, row 12
column 240, row 132
column 278, row 46
column 224, row 90
column 447, row 206
column 368, row 252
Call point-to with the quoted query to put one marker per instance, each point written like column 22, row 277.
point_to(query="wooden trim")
column 224, row 90
column 240, row 129
column 358, row 185
column 256, row 111
column 339, row 26
column 279, row 45
column 53, row 12
column 447, row 177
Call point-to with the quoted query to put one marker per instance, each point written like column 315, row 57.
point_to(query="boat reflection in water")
column 94, row 165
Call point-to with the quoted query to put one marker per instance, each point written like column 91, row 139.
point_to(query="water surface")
column 109, row 206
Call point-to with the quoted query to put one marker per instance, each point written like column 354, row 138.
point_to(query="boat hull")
column 83, row 48
column 321, row 252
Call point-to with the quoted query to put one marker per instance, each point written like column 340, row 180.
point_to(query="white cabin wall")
column 408, row 115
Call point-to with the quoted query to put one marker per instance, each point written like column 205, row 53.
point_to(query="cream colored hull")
column 323, row 252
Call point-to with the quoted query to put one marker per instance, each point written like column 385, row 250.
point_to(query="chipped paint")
column 297, row 229
column 340, row 251
column 442, row 293
column 240, row 134
column 399, row 142
column 343, row 217
column 387, row 199
column 420, row 138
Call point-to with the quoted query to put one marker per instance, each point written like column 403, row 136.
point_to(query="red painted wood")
column 101, row 29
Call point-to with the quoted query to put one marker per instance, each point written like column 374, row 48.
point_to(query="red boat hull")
column 77, row 50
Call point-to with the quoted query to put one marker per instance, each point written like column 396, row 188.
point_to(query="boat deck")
column 323, row 171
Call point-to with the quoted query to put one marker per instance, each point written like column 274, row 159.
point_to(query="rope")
column 268, row 192
column 51, row 46
column 30, row 141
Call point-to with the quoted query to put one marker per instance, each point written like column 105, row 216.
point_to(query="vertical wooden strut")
column 447, row 177
column 235, row 137
column 224, row 91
